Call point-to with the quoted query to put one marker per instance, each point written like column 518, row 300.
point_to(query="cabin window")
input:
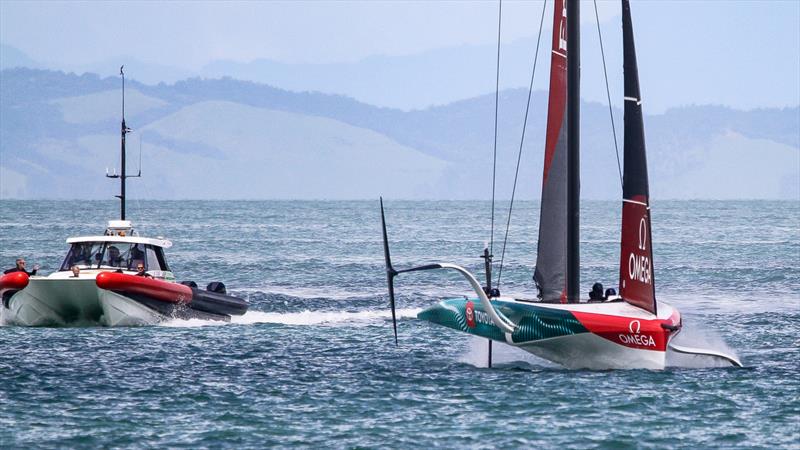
column 83, row 255
column 123, row 255
column 155, row 259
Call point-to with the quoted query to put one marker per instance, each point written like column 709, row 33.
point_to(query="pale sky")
column 193, row 33
column 748, row 51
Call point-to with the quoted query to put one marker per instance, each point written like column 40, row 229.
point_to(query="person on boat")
column 20, row 267
column 113, row 256
column 596, row 294
column 76, row 271
column 140, row 272
column 82, row 255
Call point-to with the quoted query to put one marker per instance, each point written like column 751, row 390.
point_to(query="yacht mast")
column 573, row 151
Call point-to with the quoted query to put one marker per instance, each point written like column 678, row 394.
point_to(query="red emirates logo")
column 470, row 313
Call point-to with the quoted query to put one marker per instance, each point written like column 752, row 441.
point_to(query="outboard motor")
column 218, row 287
column 611, row 292
column 596, row 294
column 189, row 283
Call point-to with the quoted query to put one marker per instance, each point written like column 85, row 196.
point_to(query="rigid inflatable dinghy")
column 117, row 278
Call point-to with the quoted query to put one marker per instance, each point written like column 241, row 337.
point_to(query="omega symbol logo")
column 635, row 326
column 642, row 234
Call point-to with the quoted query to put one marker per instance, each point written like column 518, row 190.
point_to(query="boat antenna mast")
column 488, row 250
column 123, row 175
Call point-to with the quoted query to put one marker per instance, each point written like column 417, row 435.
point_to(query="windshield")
column 123, row 255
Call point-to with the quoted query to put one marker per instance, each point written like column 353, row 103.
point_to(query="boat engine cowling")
column 217, row 286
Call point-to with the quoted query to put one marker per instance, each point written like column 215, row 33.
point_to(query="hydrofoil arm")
column 705, row 352
column 500, row 320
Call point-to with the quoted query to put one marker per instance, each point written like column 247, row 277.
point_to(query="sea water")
column 313, row 363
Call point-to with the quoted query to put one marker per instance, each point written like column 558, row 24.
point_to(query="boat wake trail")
column 306, row 317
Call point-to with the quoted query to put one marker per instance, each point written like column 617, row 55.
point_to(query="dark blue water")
column 314, row 363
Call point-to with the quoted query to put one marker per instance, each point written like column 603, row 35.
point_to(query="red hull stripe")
column 13, row 281
column 630, row 332
column 149, row 287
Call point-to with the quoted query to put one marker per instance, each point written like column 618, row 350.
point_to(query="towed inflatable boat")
column 131, row 300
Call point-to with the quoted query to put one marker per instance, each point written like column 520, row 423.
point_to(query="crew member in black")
column 140, row 271
column 21, row 268
column 596, row 294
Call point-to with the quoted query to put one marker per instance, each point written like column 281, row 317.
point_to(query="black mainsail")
column 637, row 285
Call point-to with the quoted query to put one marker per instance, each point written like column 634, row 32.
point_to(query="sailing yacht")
column 629, row 330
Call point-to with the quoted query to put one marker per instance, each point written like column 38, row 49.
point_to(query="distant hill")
column 225, row 138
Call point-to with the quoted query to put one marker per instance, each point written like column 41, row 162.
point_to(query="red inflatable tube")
column 14, row 281
column 150, row 287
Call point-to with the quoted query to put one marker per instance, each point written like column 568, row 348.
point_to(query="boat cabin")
column 118, row 248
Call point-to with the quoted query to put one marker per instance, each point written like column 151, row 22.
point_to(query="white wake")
column 299, row 318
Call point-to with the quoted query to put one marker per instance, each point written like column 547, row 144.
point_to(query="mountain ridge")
column 40, row 109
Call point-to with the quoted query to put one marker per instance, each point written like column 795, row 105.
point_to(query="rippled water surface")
column 314, row 363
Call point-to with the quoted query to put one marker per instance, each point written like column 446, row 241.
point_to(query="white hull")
column 54, row 302
column 120, row 311
column 59, row 300
column 589, row 351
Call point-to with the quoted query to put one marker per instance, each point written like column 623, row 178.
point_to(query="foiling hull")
column 611, row 335
column 82, row 302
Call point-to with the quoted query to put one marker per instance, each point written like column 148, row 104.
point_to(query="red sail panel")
column 558, row 88
column 551, row 259
column 636, row 265
column 636, row 285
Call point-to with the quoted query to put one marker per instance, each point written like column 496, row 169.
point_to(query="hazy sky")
column 190, row 34
column 753, row 47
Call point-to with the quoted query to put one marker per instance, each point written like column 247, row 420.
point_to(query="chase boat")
column 99, row 282
column 629, row 330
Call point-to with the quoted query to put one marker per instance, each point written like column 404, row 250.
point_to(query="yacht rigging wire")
column 496, row 104
column 521, row 143
column 608, row 92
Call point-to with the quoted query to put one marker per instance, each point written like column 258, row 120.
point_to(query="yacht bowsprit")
column 629, row 330
column 116, row 279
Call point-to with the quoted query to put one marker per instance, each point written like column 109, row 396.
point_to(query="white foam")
column 191, row 323
column 320, row 317
column 297, row 318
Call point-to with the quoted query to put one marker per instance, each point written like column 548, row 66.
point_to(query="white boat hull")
column 589, row 351
column 65, row 301
column 54, row 302
column 613, row 335
column 121, row 311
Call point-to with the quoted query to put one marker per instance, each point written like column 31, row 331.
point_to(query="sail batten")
column 637, row 283
column 551, row 258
